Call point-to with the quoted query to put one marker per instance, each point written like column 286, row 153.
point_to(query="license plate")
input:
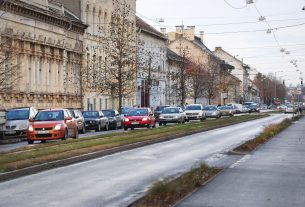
column 10, row 132
column 135, row 123
column 43, row 132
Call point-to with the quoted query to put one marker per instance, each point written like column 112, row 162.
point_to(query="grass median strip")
column 40, row 154
column 168, row 192
column 268, row 133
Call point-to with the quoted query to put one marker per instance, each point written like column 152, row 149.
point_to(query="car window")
column 170, row 111
column 193, row 107
column 210, row 108
column 109, row 113
column 50, row 116
column 91, row 114
column 18, row 114
column 138, row 112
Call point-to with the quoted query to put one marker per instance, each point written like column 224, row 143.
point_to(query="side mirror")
column 101, row 116
column 31, row 119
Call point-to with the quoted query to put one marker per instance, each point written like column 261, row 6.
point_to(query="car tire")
column 106, row 128
column 99, row 128
column 115, row 126
column 66, row 135
column 75, row 134
column 131, row 128
column 160, row 123
column 154, row 126
column 43, row 141
column 30, row 142
column 148, row 126
column 83, row 130
column 125, row 128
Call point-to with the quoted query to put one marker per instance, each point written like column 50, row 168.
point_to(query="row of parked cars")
column 49, row 124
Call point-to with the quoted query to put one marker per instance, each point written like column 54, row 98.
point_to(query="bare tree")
column 8, row 65
column 120, row 50
column 197, row 72
column 212, row 78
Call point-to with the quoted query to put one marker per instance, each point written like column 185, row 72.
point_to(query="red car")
column 139, row 117
column 52, row 124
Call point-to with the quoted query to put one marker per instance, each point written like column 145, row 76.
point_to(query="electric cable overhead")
column 234, row 7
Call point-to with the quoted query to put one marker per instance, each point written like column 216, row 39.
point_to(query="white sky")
column 258, row 49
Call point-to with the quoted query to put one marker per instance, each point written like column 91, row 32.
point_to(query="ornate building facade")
column 45, row 43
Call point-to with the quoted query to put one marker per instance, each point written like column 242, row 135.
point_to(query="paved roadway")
column 272, row 176
column 119, row 179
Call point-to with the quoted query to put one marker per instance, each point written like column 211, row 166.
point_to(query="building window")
column 89, row 107
column 106, row 103
column 105, row 22
column 50, row 72
column 30, row 59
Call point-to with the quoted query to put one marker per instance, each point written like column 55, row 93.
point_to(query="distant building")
column 151, row 66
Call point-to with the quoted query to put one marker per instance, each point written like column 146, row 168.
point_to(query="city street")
column 271, row 176
column 119, row 179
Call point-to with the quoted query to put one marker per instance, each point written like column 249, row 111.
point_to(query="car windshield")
column 193, row 107
column 170, row 111
column 248, row 103
column 91, row 114
column 138, row 112
column 109, row 113
column 73, row 113
column 125, row 110
column 210, row 108
column 225, row 107
column 50, row 116
column 161, row 108
column 18, row 114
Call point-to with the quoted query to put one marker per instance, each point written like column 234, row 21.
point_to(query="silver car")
column 212, row 112
column 171, row 115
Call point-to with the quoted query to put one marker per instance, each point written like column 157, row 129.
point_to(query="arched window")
column 93, row 21
column 105, row 22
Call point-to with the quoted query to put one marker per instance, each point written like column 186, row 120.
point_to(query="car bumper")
column 15, row 133
column 169, row 120
column 136, row 124
column 193, row 117
column 50, row 135
column 90, row 126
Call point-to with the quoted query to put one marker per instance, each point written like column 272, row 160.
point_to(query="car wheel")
column 83, row 131
column 160, row 123
column 66, row 135
column 99, row 128
column 43, row 141
column 115, row 126
column 164, row 124
column 76, row 134
column 132, row 128
column 148, row 126
column 125, row 128
column 106, row 127
column 154, row 126
column 30, row 142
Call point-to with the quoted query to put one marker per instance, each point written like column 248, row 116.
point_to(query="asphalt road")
column 272, row 176
column 119, row 179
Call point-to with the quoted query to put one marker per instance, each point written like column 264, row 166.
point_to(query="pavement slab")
column 274, row 175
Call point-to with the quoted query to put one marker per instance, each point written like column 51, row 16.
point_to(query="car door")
column 103, row 119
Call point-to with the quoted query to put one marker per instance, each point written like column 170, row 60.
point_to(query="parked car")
column 212, row 112
column 194, row 112
column 245, row 109
column 138, row 118
column 226, row 110
column 171, row 115
column 114, row 118
column 52, row 124
column 78, row 116
column 281, row 107
column 95, row 120
column 263, row 107
column 159, row 110
column 238, row 107
column 291, row 109
column 254, row 107
column 17, row 121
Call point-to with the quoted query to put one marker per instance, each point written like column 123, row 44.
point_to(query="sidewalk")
column 274, row 175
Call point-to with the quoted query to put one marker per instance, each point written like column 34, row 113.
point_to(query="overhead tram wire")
column 234, row 7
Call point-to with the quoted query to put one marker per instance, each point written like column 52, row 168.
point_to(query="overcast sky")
column 258, row 49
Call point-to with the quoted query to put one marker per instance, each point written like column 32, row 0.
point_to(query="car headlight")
column 145, row 119
column 57, row 127
column 161, row 117
column 24, row 126
column 176, row 117
column 214, row 113
column 126, row 119
column 31, row 128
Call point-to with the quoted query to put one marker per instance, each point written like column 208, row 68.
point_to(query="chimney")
column 202, row 36
column 179, row 29
column 189, row 33
column 163, row 31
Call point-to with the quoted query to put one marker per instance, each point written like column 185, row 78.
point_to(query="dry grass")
column 268, row 133
column 168, row 192
column 40, row 154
